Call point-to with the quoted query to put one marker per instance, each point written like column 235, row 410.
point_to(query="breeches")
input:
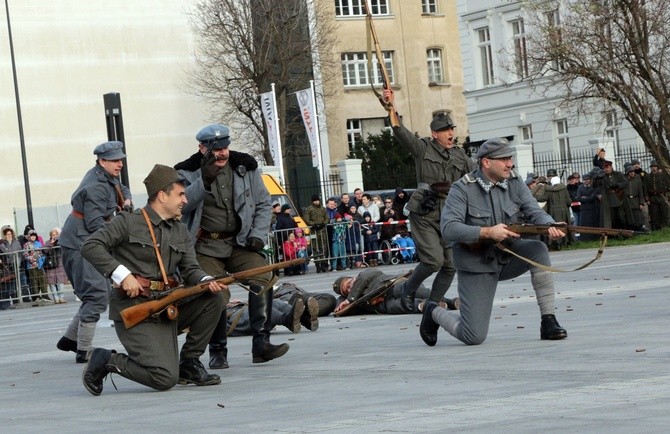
column 91, row 287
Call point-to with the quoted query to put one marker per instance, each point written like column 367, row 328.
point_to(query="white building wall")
column 68, row 54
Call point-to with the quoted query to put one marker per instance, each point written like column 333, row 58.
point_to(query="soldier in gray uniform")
column 97, row 199
column 352, row 288
column 438, row 164
column 229, row 214
column 153, row 356
column 476, row 213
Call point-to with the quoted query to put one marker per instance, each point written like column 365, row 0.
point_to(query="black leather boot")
column 408, row 296
column 428, row 328
column 67, row 344
column 218, row 344
column 218, row 359
column 96, row 369
column 260, row 310
column 310, row 317
column 550, row 329
column 81, row 357
column 191, row 371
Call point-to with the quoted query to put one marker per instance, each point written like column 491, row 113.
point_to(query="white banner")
column 306, row 102
column 269, row 108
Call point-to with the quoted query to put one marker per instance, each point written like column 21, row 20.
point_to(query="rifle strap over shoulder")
column 158, row 253
column 601, row 249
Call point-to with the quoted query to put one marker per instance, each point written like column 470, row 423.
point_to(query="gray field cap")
column 109, row 151
column 496, row 147
column 218, row 136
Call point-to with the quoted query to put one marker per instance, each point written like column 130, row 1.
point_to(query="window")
column 520, row 56
column 355, row 68
column 354, row 132
column 486, row 56
column 563, row 140
column 612, row 128
column 555, row 38
column 526, row 133
column 429, row 6
column 434, row 59
column 354, row 8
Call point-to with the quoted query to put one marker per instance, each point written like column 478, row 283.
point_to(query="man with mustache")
column 229, row 213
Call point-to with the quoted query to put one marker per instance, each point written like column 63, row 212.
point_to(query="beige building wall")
column 409, row 34
column 68, row 54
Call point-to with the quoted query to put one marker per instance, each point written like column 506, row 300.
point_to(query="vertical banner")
column 306, row 102
column 269, row 108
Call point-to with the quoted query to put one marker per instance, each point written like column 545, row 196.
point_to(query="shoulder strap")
column 158, row 253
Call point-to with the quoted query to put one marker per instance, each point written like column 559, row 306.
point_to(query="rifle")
column 372, row 295
column 134, row 315
column 565, row 228
column 542, row 229
column 386, row 81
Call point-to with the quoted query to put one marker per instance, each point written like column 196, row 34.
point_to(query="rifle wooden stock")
column 386, row 81
column 542, row 230
column 136, row 314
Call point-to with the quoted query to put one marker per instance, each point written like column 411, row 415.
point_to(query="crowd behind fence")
column 32, row 276
column 341, row 245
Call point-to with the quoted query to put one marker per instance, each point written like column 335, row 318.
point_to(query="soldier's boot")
column 291, row 318
column 191, row 371
column 310, row 317
column 218, row 344
column 428, row 328
column 407, row 296
column 67, row 344
column 550, row 329
column 85, row 336
column 260, row 311
column 97, row 369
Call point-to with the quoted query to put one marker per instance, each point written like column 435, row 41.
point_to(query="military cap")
column 653, row 163
column 496, row 147
column 159, row 178
column 531, row 175
column 338, row 283
column 529, row 181
column 214, row 136
column 441, row 121
column 551, row 173
column 109, row 151
column 607, row 163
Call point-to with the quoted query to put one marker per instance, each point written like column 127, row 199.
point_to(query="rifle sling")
column 601, row 249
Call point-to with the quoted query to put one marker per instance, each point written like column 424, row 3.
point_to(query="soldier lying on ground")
column 352, row 288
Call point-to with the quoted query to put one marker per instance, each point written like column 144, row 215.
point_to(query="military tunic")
column 97, row 200
column 369, row 280
column 474, row 202
column 433, row 164
column 152, row 346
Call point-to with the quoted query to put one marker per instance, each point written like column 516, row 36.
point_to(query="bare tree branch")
column 245, row 45
column 605, row 52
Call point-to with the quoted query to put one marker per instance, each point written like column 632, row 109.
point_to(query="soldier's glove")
column 209, row 170
column 255, row 244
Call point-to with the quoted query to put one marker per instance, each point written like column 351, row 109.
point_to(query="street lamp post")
column 26, row 181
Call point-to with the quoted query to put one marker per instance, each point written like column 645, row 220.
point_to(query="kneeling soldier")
column 135, row 240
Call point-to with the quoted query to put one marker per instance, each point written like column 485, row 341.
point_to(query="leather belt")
column 155, row 285
column 216, row 235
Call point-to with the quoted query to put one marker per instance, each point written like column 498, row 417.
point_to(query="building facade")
column 499, row 103
column 420, row 44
